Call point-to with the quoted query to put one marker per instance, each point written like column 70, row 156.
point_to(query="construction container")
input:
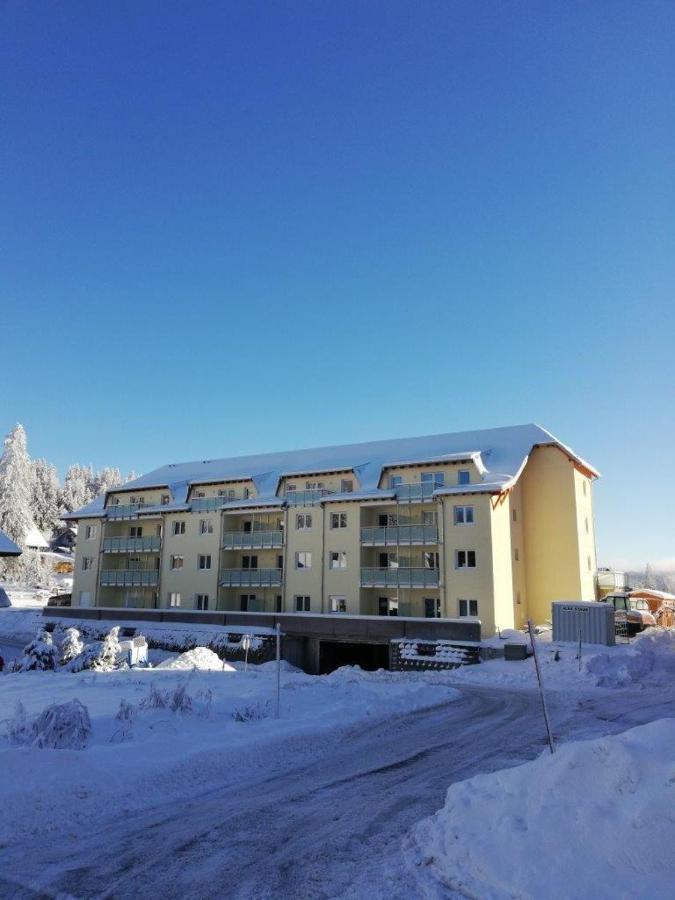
column 594, row 622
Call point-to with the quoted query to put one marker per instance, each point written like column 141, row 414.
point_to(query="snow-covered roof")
column 7, row 546
column 499, row 453
column 35, row 538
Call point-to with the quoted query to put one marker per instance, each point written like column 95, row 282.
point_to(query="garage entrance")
column 333, row 654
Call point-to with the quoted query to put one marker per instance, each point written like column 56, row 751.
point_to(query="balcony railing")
column 258, row 540
column 399, row 534
column 209, row 504
column 132, row 544
column 129, row 578
column 250, row 577
column 401, row 577
column 416, row 491
column 124, row 510
column 305, row 498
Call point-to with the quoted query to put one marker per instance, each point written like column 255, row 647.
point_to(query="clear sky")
column 229, row 227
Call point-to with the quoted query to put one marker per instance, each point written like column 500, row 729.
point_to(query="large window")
column 178, row 528
column 174, row 598
column 176, row 562
column 303, row 521
column 465, row 559
column 202, row 601
column 135, row 531
column 206, row 526
column 435, row 478
column 314, row 485
column 246, row 602
column 396, row 481
column 338, row 559
column 432, row 607
column 338, row 520
column 303, row 559
column 346, row 485
column 464, row 515
column 468, row 607
column 205, row 561
column 303, row 603
column 338, row 604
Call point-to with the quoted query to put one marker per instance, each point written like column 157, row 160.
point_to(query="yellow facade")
column 422, row 544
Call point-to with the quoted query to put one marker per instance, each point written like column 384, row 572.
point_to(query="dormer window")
column 463, row 476
column 435, row 478
column 395, row 481
column 165, row 499
column 347, row 485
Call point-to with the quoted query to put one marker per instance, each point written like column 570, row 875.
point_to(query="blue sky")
column 232, row 227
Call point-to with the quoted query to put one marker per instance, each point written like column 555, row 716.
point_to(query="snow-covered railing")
column 428, row 654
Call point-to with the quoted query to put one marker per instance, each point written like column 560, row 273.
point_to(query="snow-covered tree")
column 71, row 646
column 45, row 496
column 16, row 486
column 77, row 487
column 41, row 653
column 100, row 656
column 105, row 480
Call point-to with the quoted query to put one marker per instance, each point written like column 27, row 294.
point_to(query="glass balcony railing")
column 419, row 491
column 399, row 534
column 305, row 498
column 259, row 540
column 124, row 510
column 250, row 577
column 129, row 578
column 401, row 577
column 209, row 504
column 132, row 544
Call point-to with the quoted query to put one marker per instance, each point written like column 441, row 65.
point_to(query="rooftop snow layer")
column 7, row 546
column 500, row 454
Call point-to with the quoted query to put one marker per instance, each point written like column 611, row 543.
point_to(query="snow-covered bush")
column 18, row 727
column 40, row 654
column 251, row 713
column 181, row 701
column 63, row 726
column 101, row 656
column 71, row 645
column 156, row 699
column 125, row 716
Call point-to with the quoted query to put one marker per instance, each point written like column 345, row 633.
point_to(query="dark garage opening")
column 333, row 654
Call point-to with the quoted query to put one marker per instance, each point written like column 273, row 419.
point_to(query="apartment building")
column 494, row 524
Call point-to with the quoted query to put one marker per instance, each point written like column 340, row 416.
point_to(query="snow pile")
column 200, row 658
column 649, row 661
column 594, row 820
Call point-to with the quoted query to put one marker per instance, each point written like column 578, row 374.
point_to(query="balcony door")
column 249, row 561
column 388, row 560
column 388, row 606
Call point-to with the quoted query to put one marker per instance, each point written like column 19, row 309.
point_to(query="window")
column 302, row 603
column 290, row 487
column 205, row 561
column 249, row 561
column 338, row 604
column 90, row 532
column 516, row 555
column 246, row 601
column 165, row 499
column 435, row 478
column 174, row 598
column 303, row 521
column 85, row 598
column 430, row 560
column 463, row 476
column 387, row 606
column 247, row 493
column 387, row 521
column 303, row 560
column 206, row 526
column 278, row 603
column 432, row 608
column 135, row 531
column 514, row 514
column 338, row 520
column 199, row 494
column 464, row 515
column 87, row 563
column 465, row 559
column 178, row 528
column 176, row 562
column 314, row 485
column 347, row 485
column 202, row 601
column 338, row 559
column 468, row 607
column 396, row 481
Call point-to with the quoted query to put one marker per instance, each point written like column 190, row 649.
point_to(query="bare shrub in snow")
column 40, row 654
column 62, row 726
column 203, row 703
column 18, row 727
column 252, row 713
column 156, row 699
column 71, row 646
column 181, row 701
column 125, row 716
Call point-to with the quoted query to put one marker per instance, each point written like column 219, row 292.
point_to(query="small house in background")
column 64, row 539
column 7, row 546
column 35, row 539
column 661, row 604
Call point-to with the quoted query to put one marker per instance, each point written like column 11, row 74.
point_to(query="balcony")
column 399, row 534
column 305, row 498
column 132, row 544
column 129, row 578
column 250, row 577
column 253, row 540
column 421, row 492
column 209, row 504
column 401, row 577
column 124, row 510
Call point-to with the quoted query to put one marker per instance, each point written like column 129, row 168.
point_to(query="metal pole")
column 580, row 647
column 541, row 686
column 276, row 706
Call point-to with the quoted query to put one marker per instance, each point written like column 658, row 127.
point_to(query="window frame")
column 462, row 519
column 307, row 554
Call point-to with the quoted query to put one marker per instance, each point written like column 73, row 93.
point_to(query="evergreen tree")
column 45, row 497
column 77, row 487
column 105, row 480
column 41, row 653
column 16, row 486
column 71, row 646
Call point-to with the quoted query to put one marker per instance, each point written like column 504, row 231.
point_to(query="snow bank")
column 594, row 820
column 649, row 661
column 200, row 658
